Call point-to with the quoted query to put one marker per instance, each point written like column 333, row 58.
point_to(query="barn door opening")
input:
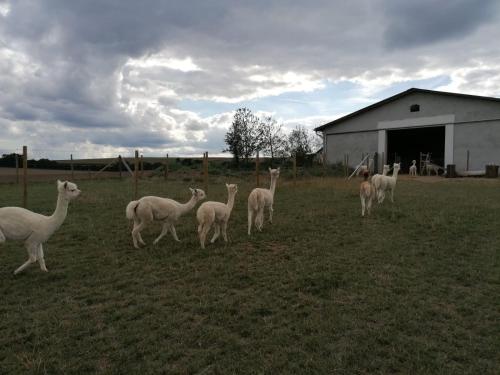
column 405, row 145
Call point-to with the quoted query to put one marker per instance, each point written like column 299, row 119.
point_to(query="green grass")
column 414, row 289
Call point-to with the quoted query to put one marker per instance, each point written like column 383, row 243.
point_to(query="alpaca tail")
column 130, row 211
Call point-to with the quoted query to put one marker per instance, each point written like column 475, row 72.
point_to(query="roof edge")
column 397, row 96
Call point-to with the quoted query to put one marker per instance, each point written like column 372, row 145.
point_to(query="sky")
column 102, row 78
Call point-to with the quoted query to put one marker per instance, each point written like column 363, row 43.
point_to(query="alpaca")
column 216, row 213
column 413, row 168
column 18, row 223
column 366, row 193
column 430, row 167
column 388, row 183
column 376, row 178
column 148, row 209
column 259, row 199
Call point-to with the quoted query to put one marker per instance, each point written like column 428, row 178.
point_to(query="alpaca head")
column 413, row 162
column 396, row 167
column 232, row 189
column 274, row 172
column 198, row 194
column 68, row 189
column 386, row 169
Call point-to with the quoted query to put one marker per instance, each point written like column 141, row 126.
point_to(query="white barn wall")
column 483, row 142
column 354, row 144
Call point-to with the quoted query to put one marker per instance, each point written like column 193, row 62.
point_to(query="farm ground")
column 414, row 289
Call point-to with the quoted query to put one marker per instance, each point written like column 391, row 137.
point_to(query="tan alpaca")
column 149, row 209
column 259, row 199
column 217, row 214
column 413, row 168
column 366, row 194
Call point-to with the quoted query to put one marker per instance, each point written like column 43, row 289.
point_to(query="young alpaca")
column 413, row 168
column 376, row 178
column 216, row 213
column 366, row 193
column 17, row 223
column 259, row 199
column 388, row 183
column 148, row 209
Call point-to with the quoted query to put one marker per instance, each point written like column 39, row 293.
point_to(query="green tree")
column 273, row 140
column 243, row 137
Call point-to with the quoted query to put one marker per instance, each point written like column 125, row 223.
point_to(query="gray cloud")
column 416, row 23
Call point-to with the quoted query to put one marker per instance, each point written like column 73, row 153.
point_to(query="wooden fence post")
column 25, row 176
column 166, row 169
column 17, row 168
column 72, row 169
column 205, row 171
column 136, row 172
column 120, row 162
column 468, row 155
column 257, row 169
column 295, row 170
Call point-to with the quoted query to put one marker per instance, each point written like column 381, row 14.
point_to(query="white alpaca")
column 413, row 168
column 430, row 167
column 366, row 194
column 259, row 199
column 376, row 178
column 216, row 213
column 17, row 223
column 149, row 209
column 388, row 183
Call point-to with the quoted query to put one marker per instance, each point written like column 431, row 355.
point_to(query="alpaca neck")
column 230, row 202
column 395, row 173
column 272, row 188
column 57, row 218
column 188, row 206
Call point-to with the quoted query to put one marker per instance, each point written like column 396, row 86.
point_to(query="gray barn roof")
column 397, row 96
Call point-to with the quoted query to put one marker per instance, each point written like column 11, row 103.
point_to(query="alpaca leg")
column 203, row 234
column 259, row 220
column 136, row 234
column 250, row 220
column 2, row 237
column 271, row 213
column 369, row 205
column 174, row 233
column 392, row 195
column 32, row 252
column 362, row 206
column 164, row 231
column 41, row 260
column 224, row 230
column 216, row 233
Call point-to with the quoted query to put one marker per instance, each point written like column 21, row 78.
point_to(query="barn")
column 458, row 129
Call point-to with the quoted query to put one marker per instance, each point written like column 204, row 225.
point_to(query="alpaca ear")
column 65, row 185
column 191, row 190
column 227, row 185
column 269, row 169
column 278, row 169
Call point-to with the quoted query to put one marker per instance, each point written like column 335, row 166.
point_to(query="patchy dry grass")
column 414, row 289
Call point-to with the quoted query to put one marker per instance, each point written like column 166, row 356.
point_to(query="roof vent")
column 415, row 108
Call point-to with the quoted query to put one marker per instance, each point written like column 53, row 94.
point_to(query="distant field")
column 9, row 174
column 414, row 289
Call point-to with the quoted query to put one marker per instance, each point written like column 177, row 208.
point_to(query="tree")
column 273, row 141
column 300, row 143
column 243, row 137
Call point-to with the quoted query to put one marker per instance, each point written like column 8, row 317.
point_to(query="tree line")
column 250, row 134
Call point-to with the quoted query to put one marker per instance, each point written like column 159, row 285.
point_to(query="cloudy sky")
column 99, row 78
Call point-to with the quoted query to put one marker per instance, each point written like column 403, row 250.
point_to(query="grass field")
column 414, row 289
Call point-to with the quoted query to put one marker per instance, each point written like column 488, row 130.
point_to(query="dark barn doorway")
column 405, row 145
